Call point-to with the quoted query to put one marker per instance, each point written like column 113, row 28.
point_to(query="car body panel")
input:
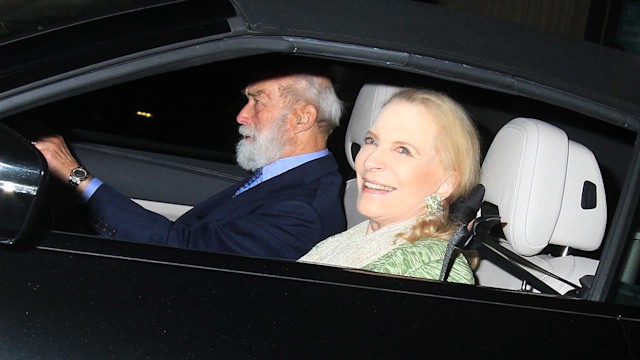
column 171, row 303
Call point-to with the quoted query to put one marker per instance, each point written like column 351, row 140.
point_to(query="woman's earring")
column 434, row 204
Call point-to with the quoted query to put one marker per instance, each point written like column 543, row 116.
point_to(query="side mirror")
column 23, row 171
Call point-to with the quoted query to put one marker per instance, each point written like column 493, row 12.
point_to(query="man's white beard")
column 265, row 147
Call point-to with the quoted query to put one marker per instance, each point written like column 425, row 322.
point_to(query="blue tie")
column 253, row 181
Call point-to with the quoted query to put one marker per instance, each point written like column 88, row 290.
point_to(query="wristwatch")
column 77, row 176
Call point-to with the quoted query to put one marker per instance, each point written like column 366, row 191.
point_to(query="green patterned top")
column 384, row 252
column 422, row 259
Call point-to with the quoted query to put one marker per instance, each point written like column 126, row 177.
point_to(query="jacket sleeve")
column 280, row 229
column 114, row 215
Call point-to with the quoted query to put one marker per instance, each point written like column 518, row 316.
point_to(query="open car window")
column 184, row 121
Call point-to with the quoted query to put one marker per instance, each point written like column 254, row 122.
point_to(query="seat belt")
column 459, row 240
column 502, row 257
column 462, row 212
column 480, row 238
column 495, row 247
column 492, row 255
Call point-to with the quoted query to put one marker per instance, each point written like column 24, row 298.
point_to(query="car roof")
column 511, row 58
column 585, row 69
column 20, row 19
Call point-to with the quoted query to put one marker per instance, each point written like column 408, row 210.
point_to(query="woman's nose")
column 374, row 159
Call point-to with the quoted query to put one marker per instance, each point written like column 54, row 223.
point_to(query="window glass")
column 189, row 112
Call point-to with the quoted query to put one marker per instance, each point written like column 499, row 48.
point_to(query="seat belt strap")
column 493, row 256
column 493, row 245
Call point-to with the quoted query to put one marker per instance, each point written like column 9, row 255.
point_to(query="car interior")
column 168, row 142
column 548, row 190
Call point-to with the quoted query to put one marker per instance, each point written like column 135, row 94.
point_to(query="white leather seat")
column 548, row 190
column 370, row 100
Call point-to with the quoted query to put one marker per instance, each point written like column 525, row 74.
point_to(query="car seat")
column 368, row 104
column 548, row 190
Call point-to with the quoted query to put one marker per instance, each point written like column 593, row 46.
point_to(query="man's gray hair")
column 318, row 91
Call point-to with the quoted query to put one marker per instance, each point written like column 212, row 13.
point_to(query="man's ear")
column 306, row 116
column 448, row 184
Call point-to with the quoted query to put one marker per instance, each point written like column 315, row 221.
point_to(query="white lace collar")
column 355, row 248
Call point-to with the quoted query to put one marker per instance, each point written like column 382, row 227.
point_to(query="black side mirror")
column 23, row 171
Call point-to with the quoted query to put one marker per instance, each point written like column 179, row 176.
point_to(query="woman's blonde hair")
column 457, row 146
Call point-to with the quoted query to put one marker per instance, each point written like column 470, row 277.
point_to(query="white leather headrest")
column 537, row 177
column 368, row 104
column 583, row 215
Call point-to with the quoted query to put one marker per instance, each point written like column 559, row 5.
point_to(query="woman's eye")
column 369, row 141
column 404, row 151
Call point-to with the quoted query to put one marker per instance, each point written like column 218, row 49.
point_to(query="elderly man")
column 291, row 202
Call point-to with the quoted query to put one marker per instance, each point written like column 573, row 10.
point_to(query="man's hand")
column 58, row 157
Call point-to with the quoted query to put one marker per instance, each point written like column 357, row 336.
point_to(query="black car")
column 146, row 94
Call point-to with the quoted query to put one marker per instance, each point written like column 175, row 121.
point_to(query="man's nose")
column 244, row 117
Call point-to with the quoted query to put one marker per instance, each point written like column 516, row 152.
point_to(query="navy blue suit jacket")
column 283, row 217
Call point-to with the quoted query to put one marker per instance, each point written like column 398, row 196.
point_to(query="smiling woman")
column 420, row 155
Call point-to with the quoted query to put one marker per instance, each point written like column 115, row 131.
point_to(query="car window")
column 187, row 118
column 190, row 112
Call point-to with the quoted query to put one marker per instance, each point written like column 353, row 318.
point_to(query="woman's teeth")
column 378, row 187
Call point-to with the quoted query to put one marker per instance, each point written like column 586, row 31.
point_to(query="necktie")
column 254, row 180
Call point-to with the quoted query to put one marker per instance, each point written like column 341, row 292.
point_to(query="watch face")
column 79, row 172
